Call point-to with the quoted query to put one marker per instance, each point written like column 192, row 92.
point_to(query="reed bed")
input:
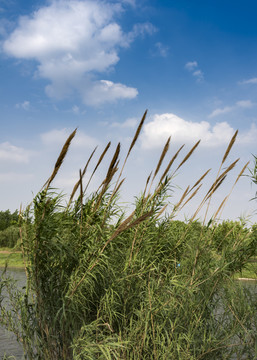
column 105, row 285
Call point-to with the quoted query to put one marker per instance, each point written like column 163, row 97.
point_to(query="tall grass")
column 104, row 285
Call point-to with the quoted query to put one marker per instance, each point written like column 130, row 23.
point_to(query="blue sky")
column 97, row 65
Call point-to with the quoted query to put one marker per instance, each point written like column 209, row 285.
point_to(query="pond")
column 10, row 346
column 8, row 342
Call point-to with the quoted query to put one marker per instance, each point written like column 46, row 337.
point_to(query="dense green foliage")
column 9, row 229
column 101, row 285
column 10, row 236
column 7, row 219
column 155, row 291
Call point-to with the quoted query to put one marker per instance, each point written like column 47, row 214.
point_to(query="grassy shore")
column 249, row 272
column 14, row 259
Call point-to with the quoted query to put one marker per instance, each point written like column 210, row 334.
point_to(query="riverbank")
column 15, row 260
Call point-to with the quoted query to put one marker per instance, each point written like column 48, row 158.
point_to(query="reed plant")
column 102, row 284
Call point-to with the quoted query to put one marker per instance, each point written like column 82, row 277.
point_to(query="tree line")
column 9, row 228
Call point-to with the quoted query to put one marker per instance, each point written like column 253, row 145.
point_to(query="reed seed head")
column 60, row 159
column 232, row 141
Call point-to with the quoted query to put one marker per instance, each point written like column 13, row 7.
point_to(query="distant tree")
column 7, row 219
column 9, row 237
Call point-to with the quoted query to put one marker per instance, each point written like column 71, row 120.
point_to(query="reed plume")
column 231, row 143
column 125, row 226
column 113, row 168
column 177, row 205
column 112, row 165
column 163, row 154
column 188, row 155
column 170, row 164
column 60, row 159
column 192, row 195
column 75, row 188
column 227, row 197
column 201, row 178
column 98, row 163
column 215, row 186
column 229, row 168
column 137, row 133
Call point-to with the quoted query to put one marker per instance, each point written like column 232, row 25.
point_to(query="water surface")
column 8, row 342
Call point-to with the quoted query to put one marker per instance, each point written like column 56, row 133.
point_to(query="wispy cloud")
column 249, row 81
column 160, row 50
column 246, row 104
column 11, row 177
column 192, row 67
column 59, row 136
column 156, row 132
column 9, row 152
column 198, row 74
column 25, row 105
column 75, row 109
column 70, row 51
column 221, row 111
column 129, row 123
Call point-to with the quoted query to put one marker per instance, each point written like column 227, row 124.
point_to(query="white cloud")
column 11, row 177
column 198, row 74
column 141, row 30
column 156, row 132
column 249, row 81
column 58, row 137
column 192, row 67
column 160, row 50
column 107, row 91
column 222, row 111
column 248, row 137
column 75, row 109
column 9, row 152
column 245, row 104
column 129, row 123
column 25, row 105
column 73, row 41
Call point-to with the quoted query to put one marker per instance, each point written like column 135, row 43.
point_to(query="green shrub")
column 103, row 285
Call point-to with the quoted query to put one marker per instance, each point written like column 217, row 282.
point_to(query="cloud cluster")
column 73, row 41
column 156, row 132
column 192, row 67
